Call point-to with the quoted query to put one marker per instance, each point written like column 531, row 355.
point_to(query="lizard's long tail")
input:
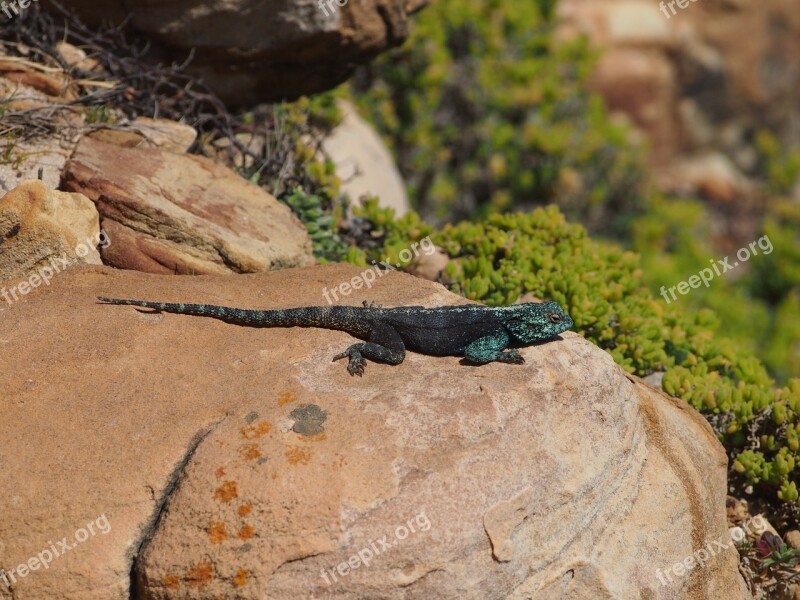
column 342, row 318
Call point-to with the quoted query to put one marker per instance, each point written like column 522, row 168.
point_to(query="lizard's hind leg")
column 384, row 345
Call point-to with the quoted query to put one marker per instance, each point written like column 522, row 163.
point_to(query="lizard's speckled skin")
column 482, row 334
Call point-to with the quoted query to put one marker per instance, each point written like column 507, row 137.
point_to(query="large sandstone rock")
column 216, row 461
column 43, row 231
column 174, row 213
column 253, row 50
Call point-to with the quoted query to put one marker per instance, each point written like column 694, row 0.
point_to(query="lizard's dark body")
column 480, row 333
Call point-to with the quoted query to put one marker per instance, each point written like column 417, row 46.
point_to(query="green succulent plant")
column 321, row 226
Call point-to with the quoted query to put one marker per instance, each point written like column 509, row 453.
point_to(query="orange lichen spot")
column 220, row 472
column 249, row 451
column 171, row 582
column 246, row 532
column 199, row 576
column 256, row 431
column 298, row 455
column 240, row 580
column 226, row 492
column 287, row 398
column 313, row 438
column 216, row 532
column 244, row 510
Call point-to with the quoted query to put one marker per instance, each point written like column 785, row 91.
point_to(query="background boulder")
column 251, row 51
column 179, row 213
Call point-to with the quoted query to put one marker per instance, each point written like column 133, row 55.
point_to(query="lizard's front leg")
column 384, row 345
column 491, row 348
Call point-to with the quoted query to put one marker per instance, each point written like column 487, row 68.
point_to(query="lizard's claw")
column 371, row 304
column 512, row 357
column 356, row 364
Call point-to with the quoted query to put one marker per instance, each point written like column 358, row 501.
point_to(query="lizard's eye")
column 554, row 317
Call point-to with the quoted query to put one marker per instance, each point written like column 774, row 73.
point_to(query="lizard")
column 481, row 334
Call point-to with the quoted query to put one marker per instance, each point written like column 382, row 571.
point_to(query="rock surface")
column 714, row 177
column 40, row 228
column 234, row 463
column 146, row 132
column 174, row 213
column 254, row 51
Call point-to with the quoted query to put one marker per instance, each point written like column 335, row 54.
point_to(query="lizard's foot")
column 511, row 357
column 357, row 363
column 371, row 304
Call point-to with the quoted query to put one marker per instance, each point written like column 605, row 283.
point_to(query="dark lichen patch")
column 308, row 419
column 251, row 417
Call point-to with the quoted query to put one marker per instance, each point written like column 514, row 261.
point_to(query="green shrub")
column 674, row 242
column 776, row 275
column 757, row 303
column 485, row 111
column 775, row 279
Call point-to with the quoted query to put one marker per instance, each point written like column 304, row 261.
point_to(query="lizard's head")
column 534, row 322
